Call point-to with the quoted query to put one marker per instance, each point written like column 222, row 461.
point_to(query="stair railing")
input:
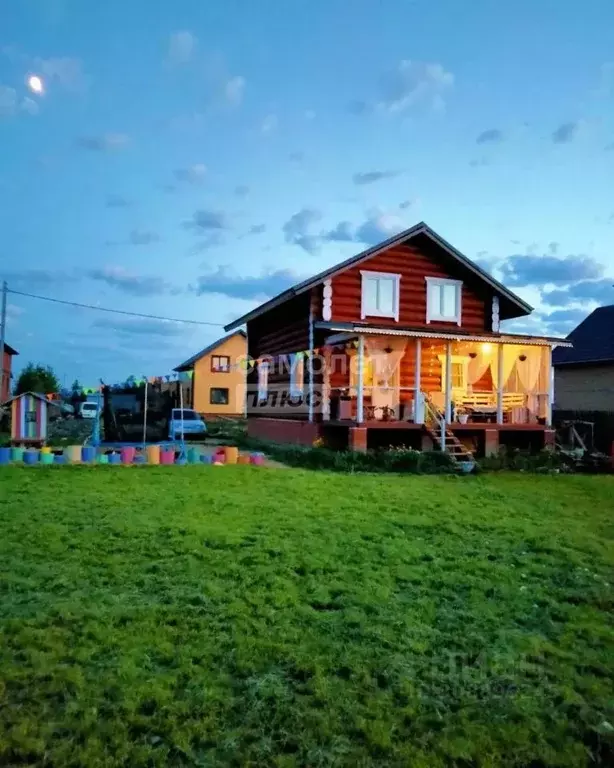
column 434, row 419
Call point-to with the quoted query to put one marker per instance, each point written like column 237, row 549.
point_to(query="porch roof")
column 345, row 331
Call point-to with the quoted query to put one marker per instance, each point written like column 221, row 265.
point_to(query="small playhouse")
column 29, row 418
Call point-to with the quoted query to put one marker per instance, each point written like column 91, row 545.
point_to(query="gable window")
column 218, row 396
column 263, row 380
column 220, row 363
column 443, row 300
column 380, row 295
column 297, row 375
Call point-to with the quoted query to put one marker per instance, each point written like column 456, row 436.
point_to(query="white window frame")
column 297, row 375
column 263, row 380
column 431, row 316
column 367, row 275
column 461, row 360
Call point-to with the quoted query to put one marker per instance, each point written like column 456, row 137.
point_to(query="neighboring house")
column 7, row 356
column 584, row 374
column 218, row 380
column 402, row 341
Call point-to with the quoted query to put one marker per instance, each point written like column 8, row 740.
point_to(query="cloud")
column 490, row 136
column 205, row 220
column 234, row 90
column 39, row 278
column 181, row 48
column 269, row 124
column 135, row 285
column 241, row 190
column 524, row 270
column 565, row 133
column 11, row 105
column 416, row 83
column 252, row 288
column 141, row 326
column 257, row 229
column 66, row 71
column 116, row 201
column 598, row 291
column 298, row 230
column 370, row 177
column 108, row 142
column 562, row 321
column 193, row 174
column 142, row 237
column 375, row 229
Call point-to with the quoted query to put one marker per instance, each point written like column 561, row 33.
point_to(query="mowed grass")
column 234, row 616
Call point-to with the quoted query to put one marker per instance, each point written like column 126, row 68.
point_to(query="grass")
column 208, row 616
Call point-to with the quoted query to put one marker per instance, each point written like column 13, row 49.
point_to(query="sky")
column 190, row 159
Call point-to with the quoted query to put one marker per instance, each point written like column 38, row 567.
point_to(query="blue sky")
column 191, row 159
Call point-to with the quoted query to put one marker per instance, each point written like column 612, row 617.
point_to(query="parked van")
column 187, row 422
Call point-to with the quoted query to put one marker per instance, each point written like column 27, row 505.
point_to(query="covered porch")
column 412, row 380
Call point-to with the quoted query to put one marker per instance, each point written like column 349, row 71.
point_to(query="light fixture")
column 473, row 355
column 388, row 350
column 486, row 347
column 522, row 358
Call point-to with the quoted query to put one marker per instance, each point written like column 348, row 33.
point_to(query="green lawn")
column 234, row 616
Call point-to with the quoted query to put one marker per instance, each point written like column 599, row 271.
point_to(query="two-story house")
column 7, row 355
column 218, row 383
column 400, row 343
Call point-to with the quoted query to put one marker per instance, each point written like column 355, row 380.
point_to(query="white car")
column 88, row 410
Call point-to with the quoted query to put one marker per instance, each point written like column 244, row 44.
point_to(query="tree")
column 37, row 378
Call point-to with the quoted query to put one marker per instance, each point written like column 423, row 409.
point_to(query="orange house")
column 218, row 380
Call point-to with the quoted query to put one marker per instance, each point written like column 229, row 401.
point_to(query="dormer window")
column 380, row 295
column 443, row 300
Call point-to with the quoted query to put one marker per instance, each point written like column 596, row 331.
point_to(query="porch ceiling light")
column 486, row 347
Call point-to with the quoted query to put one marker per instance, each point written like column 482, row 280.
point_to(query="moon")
column 35, row 84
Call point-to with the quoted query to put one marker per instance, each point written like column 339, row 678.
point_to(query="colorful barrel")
column 5, row 455
column 45, row 449
column 88, row 454
column 102, row 458
column 17, row 454
column 167, row 456
column 231, row 453
column 114, row 458
column 242, row 459
column 257, row 459
column 59, row 459
column 153, row 454
column 206, row 459
column 73, row 454
column 140, row 458
column 193, row 455
column 30, row 456
column 47, row 458
column 127, row 454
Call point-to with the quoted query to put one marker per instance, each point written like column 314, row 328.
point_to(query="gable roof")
column 189, row 363
column 519, row 306
column 593, row 340
column 9, row 350
column 37, row 395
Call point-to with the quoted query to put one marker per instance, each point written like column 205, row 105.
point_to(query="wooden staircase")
column 442, row 435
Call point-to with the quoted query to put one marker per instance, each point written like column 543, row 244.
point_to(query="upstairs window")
column 220, row 363
column 443, row 300
column 380, row 295
column 297, row 375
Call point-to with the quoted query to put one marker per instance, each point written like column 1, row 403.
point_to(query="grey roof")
column 593, row 340
column 418, row 229
column 189, row 363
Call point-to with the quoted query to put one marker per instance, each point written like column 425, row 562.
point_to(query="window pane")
column 457, row 376
column 386, row 296
column 434, row 300
column 219, row 396
column 448, row 303
column 370, row 294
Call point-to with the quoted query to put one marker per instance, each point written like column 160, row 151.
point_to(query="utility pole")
column 2, row 336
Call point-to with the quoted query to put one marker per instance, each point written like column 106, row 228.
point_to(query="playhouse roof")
column 33, row 394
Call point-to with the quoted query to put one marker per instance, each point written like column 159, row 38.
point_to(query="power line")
column 114, row 311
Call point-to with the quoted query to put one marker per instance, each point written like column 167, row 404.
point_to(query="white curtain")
column 478, row 366
column 385, row 363
column 529, row 369
column 510, row 356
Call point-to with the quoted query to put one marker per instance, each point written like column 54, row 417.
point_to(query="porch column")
column 418, row 409
column 550, row 388
column 499, row 383
column 359, row 392
column 448, row 401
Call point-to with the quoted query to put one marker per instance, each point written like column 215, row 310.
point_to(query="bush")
column 515, row 459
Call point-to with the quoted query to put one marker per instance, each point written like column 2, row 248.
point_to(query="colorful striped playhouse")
column 29, row 418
